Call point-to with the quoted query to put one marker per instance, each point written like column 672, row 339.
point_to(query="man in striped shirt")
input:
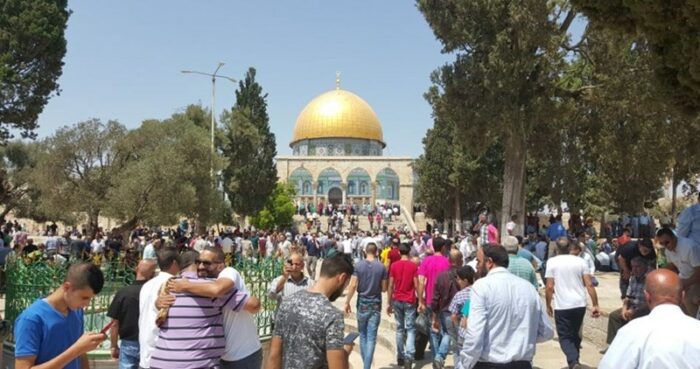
column 193, row 333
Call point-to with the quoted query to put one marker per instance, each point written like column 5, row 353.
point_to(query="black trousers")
column 511, row 365
column 569, row 323
column 421, row 345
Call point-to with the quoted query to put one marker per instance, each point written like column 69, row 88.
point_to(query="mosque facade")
column 337, row 156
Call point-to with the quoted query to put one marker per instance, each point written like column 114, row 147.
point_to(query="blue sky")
column 124, row 60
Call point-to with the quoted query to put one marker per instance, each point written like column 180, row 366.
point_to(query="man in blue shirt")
column 50, row 331
column 556, row 230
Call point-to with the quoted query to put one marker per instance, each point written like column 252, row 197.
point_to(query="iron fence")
column 29, row 280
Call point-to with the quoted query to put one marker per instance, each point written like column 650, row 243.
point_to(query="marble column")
column 344, row 188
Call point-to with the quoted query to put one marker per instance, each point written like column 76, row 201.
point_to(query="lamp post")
column 213, row 76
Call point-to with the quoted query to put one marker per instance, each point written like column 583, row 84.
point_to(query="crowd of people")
column 476, row 296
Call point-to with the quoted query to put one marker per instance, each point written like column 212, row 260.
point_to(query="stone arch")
column 327, row 179
column 388, row 183
column 359, row 182
column 302, row 180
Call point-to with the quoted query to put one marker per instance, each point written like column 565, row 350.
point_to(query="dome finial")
column 337, row 80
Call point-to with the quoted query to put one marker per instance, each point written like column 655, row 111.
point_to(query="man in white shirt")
column 506, row 318
column 512, row 226
column 683, row 255
column 200, row 243
column 568, row 277
column 689, row 222
column 347, row 245
column 98, row 244
column 169, row 264
column 467, row 248
column 666, row 338
column 286, row 245
column 243, row 349
column 227, row 244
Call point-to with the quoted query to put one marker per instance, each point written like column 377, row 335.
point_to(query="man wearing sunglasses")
column 192, row 334
column 243, row 349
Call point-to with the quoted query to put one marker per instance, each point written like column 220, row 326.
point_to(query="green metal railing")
column 29, row 280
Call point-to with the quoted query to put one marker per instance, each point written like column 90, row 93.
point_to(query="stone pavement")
column 548, row 354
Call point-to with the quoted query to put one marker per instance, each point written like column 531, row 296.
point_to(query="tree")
column 167, row 175
column 77, row 168
column 670, row 28
column 279, row 208
column 250, row 148
column 502, row 84
column 629, row 122
column 17, row 159
column 450, row 174
column 32, row 47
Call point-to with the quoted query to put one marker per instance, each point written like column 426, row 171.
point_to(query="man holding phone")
column 49, row 333
column 292, row 279
column 308, row 328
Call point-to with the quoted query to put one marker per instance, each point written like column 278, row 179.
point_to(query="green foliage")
column 167, row 175
column 502, row 85
column 279, row 208
column 670, row 29
column 77, row 168
column 250, row 175
column 32, row 46
column 629, row 136
column 155, row 174
column 17, row 158
column 449, row 172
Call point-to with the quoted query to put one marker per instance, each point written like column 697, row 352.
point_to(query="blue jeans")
column 129, row 355
column 440, row 341
column 405, row 315
column 368, row 315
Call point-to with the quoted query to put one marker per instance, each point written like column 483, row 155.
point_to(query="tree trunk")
column 513, row 178
column 673, row 195
column 125, row 229
column 6, row 210
column 93, row 223
column 458, row 215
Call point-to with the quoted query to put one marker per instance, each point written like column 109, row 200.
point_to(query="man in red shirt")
column 394, row 253
column 403, row 282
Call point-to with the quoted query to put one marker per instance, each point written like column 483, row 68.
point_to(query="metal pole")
column 213, row 124
column 213, row 108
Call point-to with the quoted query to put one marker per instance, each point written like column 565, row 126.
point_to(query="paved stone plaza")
column 548, row 356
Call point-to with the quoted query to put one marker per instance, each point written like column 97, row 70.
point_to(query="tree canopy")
column 581, row 124
column 167, row 175
column 279, row 208
column 32, row 47
column 250, row 148
column 501, row 85
column 77, row 168
column 155, row 174
column 670, row 30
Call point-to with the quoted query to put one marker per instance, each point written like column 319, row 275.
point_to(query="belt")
column 520, row 364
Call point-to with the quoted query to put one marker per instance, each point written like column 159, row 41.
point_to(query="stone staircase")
column 397, row 222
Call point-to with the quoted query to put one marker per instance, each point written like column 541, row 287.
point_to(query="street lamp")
column 213, row 76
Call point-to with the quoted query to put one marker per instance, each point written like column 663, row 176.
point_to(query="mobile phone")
column 107, row 327
column 350, row 338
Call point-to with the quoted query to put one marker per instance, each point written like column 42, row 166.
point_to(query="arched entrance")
column 335, row 196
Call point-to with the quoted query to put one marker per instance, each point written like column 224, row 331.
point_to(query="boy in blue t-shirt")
column 50, row 331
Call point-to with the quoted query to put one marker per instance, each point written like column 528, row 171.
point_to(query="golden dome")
column 338, row 114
